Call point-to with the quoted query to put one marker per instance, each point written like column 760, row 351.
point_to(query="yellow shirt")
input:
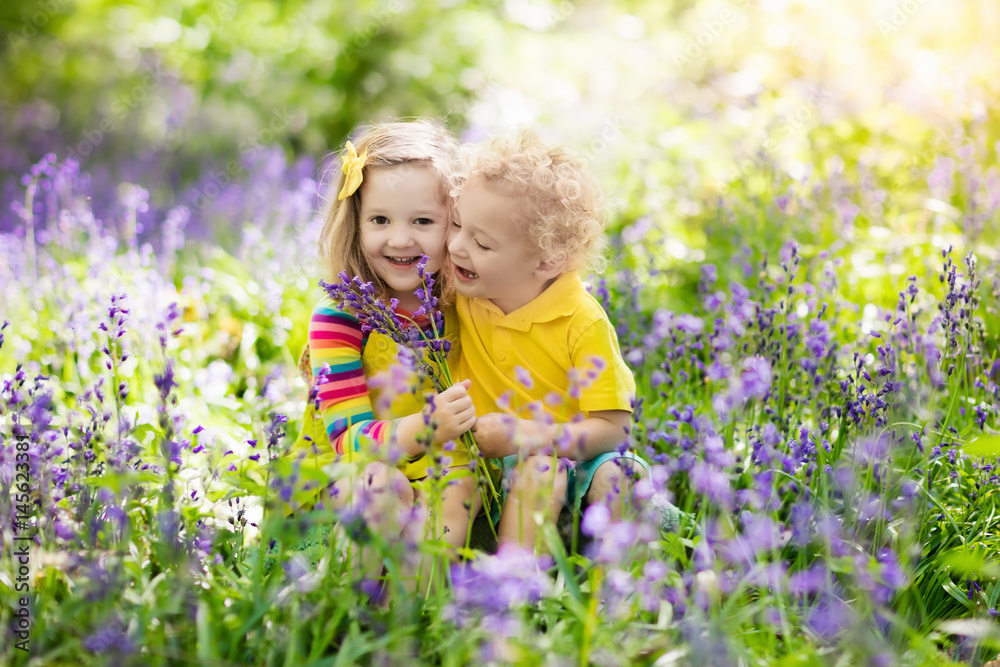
column 558, row 352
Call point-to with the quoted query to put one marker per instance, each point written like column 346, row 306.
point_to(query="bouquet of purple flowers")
column 430, row 349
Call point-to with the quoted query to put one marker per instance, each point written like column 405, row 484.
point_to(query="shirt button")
column 382, row 344
column 501, row 355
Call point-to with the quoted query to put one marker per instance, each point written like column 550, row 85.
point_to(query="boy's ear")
column 548, row 270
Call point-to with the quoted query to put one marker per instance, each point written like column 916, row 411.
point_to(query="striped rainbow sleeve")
column 344, row 404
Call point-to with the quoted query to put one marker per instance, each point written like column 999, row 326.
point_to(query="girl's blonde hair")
column 419, row 142
column 561, row 202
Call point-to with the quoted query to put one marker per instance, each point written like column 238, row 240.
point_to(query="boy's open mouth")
column 403, row 261
column 467, row 275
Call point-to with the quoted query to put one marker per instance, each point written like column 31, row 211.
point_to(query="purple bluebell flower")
column 110, row 639
column 596, row 519
column 808, row 581
column 756, row 377
column 355, row 523
column 712, row 483
column 491, row 588
column 165, row 381
column 689, row 323
column 709, row 276
column 373, row 589
column 167, row 327
column 830, row 618
column 981, row 414
column 523, row 376
column 101, row 579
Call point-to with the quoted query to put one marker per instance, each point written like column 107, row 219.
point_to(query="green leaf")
column 554, row 542
column 141, row 432
column 971, row 564
column 116, row 481
column 203, row 628
column 805, row 656
column 986, row 446
column 957, row 593
column 252, row 485
column 215, row 495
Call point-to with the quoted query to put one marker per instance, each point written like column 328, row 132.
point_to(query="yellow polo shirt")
column 559, row 353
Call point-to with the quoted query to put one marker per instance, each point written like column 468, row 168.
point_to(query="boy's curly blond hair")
column 561, row 202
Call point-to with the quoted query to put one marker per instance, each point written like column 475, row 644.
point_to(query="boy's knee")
column 611, row 479
column 538, row 472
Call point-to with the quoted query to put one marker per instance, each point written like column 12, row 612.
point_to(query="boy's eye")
column 454, row 223
column 380, row 220
column 481, row 246
column 423, row 221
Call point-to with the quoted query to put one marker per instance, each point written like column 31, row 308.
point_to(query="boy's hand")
column 495, row 435
column 502, row 435
column 453, row 412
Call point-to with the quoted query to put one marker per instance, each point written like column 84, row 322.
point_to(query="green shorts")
column 581, row 475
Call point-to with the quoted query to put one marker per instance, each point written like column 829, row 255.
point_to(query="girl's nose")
column 400, row 237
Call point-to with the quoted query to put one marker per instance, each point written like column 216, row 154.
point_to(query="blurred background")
column 671, row 101
column 866, row 130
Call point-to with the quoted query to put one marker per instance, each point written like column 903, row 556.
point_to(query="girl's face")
column 403, row 217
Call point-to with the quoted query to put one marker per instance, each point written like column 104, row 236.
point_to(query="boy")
column 528, row 218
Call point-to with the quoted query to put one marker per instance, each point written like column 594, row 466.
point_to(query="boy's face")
column 491, row 257
column 402, row 217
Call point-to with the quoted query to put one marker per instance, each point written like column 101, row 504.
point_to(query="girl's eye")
column 423, row 221
column 380, row 220
column 481, row 246
column 454, row 223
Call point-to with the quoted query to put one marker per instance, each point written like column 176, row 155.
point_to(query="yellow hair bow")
column 353, row 164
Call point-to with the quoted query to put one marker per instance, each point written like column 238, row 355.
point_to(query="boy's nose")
column 454, row 246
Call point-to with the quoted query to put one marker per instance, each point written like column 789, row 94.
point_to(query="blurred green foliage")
column 204, row 79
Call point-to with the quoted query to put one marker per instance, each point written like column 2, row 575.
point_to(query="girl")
column 390, row 206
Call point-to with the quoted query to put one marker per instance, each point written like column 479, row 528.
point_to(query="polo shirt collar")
column 558, row 300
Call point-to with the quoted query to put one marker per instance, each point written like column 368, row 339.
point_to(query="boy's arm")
column 599, row 432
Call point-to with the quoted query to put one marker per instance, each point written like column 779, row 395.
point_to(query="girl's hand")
column 453, row 412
